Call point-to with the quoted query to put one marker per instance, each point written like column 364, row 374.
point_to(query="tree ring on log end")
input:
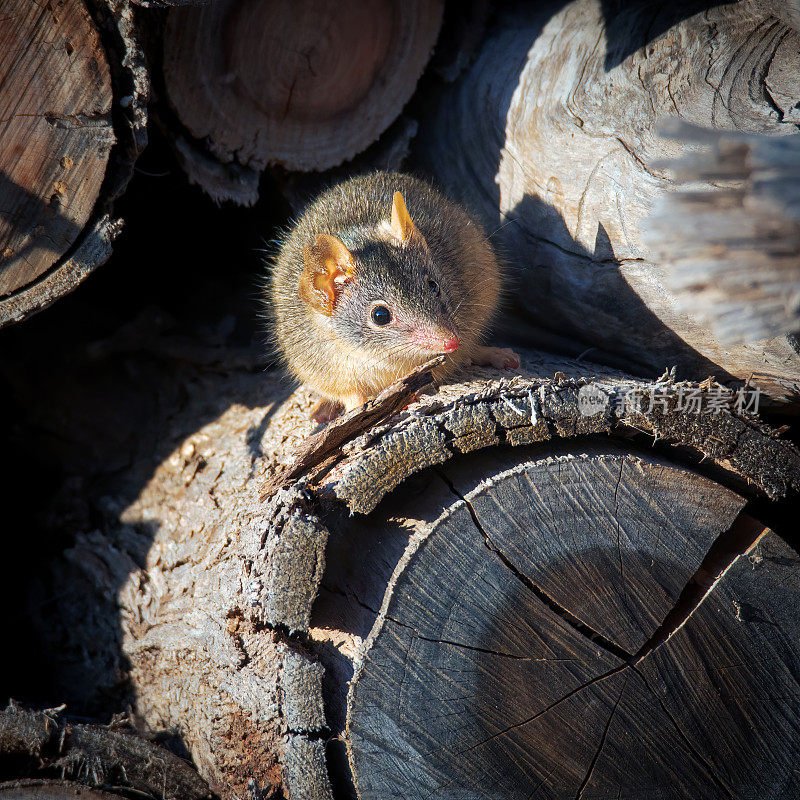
column 283, row 83
column 514, row 651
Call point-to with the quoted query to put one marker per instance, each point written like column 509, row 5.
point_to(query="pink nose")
column 449, row 345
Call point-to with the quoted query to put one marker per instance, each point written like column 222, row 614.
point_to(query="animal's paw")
column 497, row 357
column 326, row 411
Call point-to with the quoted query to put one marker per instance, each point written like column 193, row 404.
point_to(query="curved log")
column 302, row 85
column 551, row 137
column 72, row 113
column 242, row 621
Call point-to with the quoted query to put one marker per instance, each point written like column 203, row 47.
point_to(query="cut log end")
column 69, row 78
column 56, row 132
column 304, row 85
column 515, row 644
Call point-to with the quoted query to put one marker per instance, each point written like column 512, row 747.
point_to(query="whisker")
column 513, row 219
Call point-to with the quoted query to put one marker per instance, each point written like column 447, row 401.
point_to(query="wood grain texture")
column 55, row 123
column 303, row 85
column 732, row 254
column 471, row 686
column 73, row 116
column 728, row 678
column 551, row 138
column 51, row 790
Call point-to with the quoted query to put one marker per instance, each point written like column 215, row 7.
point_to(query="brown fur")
column 337, row 353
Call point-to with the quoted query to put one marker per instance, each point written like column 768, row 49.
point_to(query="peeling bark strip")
column 551, row 137
column 328, row 442
column 562, row 543
column 67, row 72
column 523, row 411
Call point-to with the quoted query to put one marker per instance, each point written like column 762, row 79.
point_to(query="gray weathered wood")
column 493, row 681
column 728, row 678
column 732, row 254
column 551, row 138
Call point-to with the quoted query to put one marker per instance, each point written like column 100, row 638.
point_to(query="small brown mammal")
column 380, row 274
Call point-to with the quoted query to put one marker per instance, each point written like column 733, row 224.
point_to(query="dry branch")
column 38, row 746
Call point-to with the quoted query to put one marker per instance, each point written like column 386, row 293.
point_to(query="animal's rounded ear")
column 328, row 264
column 402, row 226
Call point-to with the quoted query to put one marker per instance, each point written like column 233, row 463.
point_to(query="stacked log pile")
column 573, row 581
column 465, row 577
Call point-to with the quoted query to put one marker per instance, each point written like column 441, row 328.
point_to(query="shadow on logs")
column 555, row 155
column 46, row 756
column 226, row 643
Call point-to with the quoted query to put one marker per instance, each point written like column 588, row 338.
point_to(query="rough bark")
column 551, row 138
column 72, row 114
column 241, row 621
column 302, row 85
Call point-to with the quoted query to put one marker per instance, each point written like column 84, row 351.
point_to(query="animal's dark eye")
column 381, row 315
column 433, row 286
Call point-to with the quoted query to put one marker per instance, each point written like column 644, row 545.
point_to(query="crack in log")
column 486, row 650
column 528, row 720
column 563, row 613
column 743, row 534
column 603, row 738
column 352, row 596
column 619, row 526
